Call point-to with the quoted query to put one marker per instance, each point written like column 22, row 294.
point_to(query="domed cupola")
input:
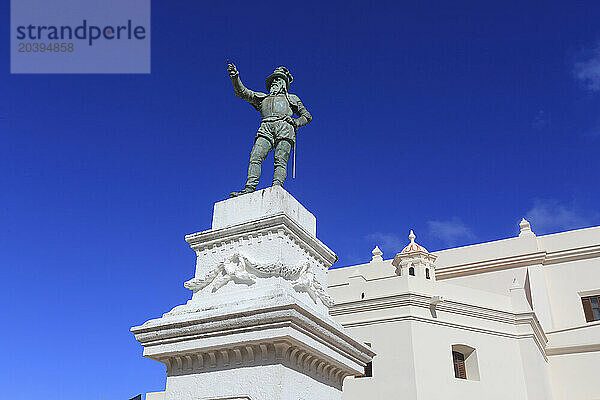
column 413, row 247
column 415, row 260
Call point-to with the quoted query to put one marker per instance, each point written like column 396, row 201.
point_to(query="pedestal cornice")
column 283, row 330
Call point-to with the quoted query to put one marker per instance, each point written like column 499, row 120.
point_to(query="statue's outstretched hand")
column 232, row 70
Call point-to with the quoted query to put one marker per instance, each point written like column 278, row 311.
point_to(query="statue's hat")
column 280, row 72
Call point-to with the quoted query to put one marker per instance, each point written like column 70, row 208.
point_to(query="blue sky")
column 452, row 119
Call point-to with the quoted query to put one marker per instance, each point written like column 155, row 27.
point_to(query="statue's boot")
column 246, row 190
column 259, row 152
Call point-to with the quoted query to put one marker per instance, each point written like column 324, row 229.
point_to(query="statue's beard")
column 277, row 88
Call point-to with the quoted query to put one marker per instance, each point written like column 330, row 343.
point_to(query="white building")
column 511, row 319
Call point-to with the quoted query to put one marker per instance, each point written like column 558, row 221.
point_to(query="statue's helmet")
column 280, row 72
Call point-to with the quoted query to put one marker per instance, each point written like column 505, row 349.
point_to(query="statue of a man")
column 277, row 131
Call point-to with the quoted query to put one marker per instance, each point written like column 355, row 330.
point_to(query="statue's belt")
column 273, row 118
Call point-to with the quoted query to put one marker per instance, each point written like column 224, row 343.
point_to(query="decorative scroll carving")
column 241, row 269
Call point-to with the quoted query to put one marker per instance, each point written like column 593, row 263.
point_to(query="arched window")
column 427, row 273
column 411, row 271
column 464, row 361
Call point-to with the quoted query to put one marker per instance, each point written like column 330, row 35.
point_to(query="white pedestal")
column 257, row 326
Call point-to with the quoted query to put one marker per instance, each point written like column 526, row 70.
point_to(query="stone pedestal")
column 257, row 326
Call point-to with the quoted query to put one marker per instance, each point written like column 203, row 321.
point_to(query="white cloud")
column 588, row 71
column 550, row 216
column 389, row 243
column 451, row 232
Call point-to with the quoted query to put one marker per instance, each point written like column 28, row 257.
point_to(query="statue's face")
column 277, row 86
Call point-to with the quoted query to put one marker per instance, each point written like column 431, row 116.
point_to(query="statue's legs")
column 282, row 155
column 259, row 152
column 283, row 135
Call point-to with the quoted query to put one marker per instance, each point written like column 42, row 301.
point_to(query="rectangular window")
column 459, row 365
column 591, row 308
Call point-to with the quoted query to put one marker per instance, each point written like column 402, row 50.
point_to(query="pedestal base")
column 264, row 382
column 257, row 326
column 267, row 337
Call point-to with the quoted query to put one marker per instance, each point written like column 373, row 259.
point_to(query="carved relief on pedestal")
column 257, row 252
column 242, row 269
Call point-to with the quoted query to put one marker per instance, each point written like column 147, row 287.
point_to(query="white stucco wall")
column 414, row 343
column 413, row 346
column 575, row 376
column 498, row 358
column 155, row 396
column 567, row 281
column 414, row 361
column 393, row 366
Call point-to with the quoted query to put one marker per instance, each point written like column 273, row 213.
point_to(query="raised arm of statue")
column 240, row 90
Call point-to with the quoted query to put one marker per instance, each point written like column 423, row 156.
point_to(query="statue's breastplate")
column 275, row 106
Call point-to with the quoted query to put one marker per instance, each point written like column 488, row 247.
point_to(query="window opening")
column 591, row 308
column 459, row 365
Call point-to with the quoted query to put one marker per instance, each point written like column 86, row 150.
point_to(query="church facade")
column 517, row 318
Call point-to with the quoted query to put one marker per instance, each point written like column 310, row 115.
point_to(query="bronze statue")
column 277, row 131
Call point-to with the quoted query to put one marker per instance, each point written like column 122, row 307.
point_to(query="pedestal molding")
column 286, row 352
column 171, row 330
column 207, row 240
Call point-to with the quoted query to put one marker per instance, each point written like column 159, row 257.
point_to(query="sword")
column 294, row 161
column 295, row 137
